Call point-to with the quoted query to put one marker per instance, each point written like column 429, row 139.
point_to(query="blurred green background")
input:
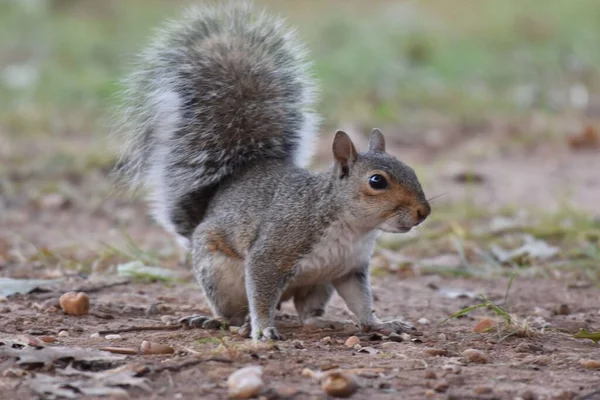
column 400, row 62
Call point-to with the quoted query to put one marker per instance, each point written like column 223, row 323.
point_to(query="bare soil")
column 37, row 231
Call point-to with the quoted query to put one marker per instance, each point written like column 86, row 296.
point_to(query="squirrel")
column 217, row 124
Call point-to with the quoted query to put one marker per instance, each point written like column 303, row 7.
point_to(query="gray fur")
column 217, row 124
column 216, row 90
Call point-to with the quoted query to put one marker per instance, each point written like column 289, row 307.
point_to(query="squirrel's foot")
column 204, row 322
column 387, row 327
column 323, row 323
column 270, row 333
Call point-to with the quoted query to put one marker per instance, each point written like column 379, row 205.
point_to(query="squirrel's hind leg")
column 220, row 272
column 310, row 303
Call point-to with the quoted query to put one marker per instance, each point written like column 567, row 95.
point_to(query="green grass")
column 381, row 62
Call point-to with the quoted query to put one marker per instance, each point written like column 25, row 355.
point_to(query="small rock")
column 120, row 350
column 352, row 341
column 75, row 303
column 453, row 368
column 589, row 364
column 405, row 337
column 475, row 356
column 339, row 384
column 482, row 390
column 327, row 340
column 113, row 337
column 368, row 350
column 430, row 374
column 52, row 201
column 63, row 334
column 394, row 337
column 441, row 387
column 432, row 351
column 298, row 344
column 94, row 335
column 442, row 337
column 563, row 309
column 48, row 339
column 484, row 325
column 155, row 348
column 31, row 341
column 375, row 337
column 169, row 320
column 423, row 321
column 51, row 310
column 245, row 382
column 429, row 393
column 541, row 312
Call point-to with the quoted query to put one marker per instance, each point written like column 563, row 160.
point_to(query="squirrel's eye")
column 378, row 182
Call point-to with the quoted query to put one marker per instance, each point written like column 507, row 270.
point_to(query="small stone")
column 375, row 337
column 423, row 321
column 63, row 334
column 453, row 368
column 475, row 356
column 442, row 337
column 246, row 382
column 430, row 374
column 48, row 339
column 52, row 201
column 589, row 364
column 541, row 312
column 482, row 390
column 75, row 303
column 339, row 384
column 528, row 395
column 352, row 341
column 95, row 335
column 368, row 350
column 429, row 393
column 563, row 309
column 168, row 320
column 432, row 351
column 51, row 310
column 484, row 325
column 155, row 348
column 298, row 344
column 113, row 337
column 394, row 337
column 327, row 340
column 405, row 336
column 441, row 387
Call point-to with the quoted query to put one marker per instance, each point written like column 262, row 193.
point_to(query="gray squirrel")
column 218, row 123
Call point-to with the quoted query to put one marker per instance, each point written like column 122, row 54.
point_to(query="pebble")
column 352, row 341
column 245, row 382
column 405, row 337
column 423, row 321
column 339, row 384
column 327, row 340
column 75, row 303
column 441, row 387
column 433, row 351
column 429, row 374
column 155, row 348
column 63, row 334
column 482, row 390
column 168, row 320
column 455, row 369
column 429, row 393
column 113, row 337
column 94, row 335
column 475, row 356
column 590, row 364
column 48, row 339
column 394, row 337
column 484, row 325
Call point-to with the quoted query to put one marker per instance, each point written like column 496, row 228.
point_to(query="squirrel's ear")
column 377, row 141
column 344, row 152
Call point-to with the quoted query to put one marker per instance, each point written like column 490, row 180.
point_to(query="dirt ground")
column 50, row 237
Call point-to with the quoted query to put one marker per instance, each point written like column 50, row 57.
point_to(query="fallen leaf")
column 9, row 286
column 583, row 334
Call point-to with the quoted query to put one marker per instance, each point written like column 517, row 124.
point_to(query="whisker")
column 435, row 197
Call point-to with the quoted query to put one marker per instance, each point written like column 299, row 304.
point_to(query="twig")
column 185, row 364
column 140, row 328
column 99, row 287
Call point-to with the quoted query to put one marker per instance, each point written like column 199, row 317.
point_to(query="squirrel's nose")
column 423, row 212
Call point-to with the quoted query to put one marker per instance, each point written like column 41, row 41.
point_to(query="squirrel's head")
column 381, row 192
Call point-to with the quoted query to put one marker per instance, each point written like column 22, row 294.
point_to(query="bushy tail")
column 222, row 87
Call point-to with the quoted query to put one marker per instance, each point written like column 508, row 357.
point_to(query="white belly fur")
column 341, row 250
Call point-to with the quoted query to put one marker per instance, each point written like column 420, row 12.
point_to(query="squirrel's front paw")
column 270, row 333
column 395, row 325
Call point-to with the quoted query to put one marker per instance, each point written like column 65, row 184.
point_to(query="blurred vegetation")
column 430, row 61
